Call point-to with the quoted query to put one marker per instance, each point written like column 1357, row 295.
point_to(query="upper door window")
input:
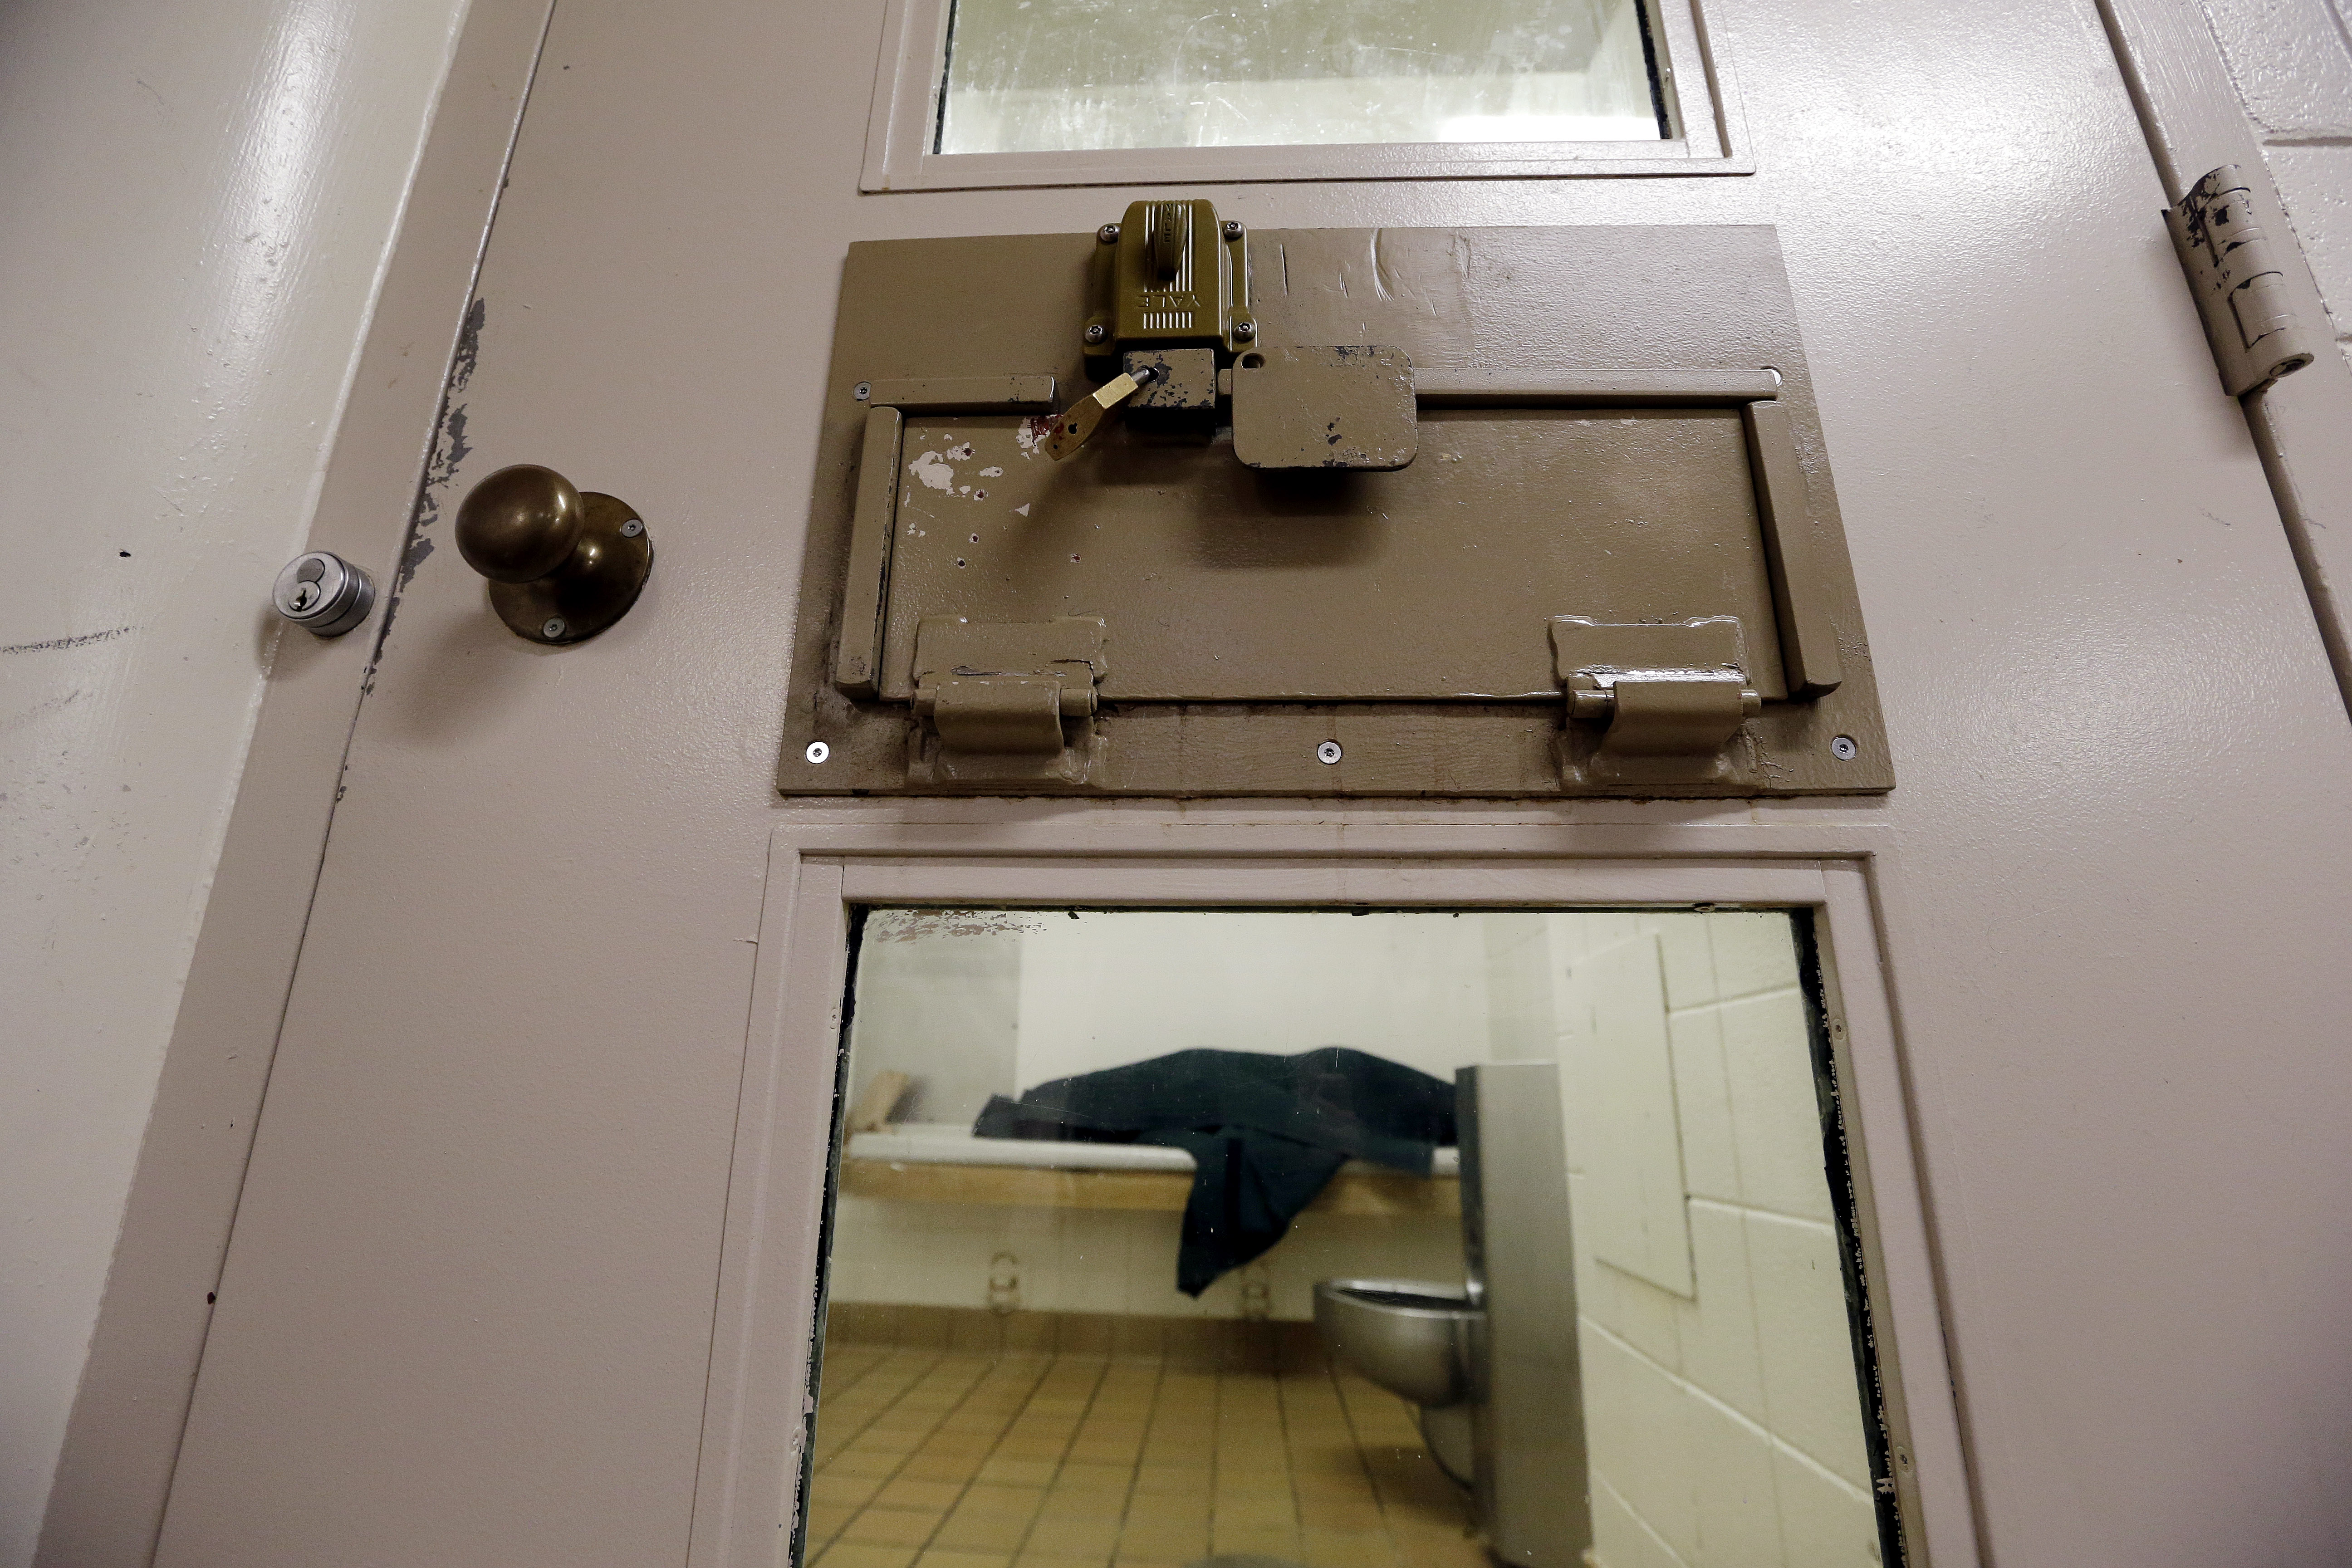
column 1070, row 76
column 1020, row 92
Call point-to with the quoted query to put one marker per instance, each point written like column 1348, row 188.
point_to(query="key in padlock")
column 1077, row 425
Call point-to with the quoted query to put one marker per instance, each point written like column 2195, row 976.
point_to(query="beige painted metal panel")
column 1423, row 595
column 467, row 1314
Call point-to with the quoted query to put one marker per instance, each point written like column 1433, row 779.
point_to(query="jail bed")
column 911, row 1162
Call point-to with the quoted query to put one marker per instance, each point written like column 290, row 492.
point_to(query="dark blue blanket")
column 1265, row 1132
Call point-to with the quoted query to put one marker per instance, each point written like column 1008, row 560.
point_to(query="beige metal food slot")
column 1196, row 510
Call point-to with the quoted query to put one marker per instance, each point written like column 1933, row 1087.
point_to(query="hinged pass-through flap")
column 1505, row 512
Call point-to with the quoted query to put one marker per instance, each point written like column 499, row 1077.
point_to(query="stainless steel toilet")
column 1412, row 1337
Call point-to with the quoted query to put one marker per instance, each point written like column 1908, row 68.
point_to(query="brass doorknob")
column 563, row 563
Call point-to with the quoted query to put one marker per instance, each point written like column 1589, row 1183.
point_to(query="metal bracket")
column 997, row 697
column 1674, row 691
column 2223, row 235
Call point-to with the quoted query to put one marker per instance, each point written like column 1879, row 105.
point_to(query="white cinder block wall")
column 2291, row 63
column 1724, row 1421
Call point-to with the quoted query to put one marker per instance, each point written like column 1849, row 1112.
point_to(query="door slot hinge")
column 1004, row 701
column 1671, row 693
column 2223, row 233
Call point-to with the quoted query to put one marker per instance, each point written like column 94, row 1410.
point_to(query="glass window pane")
column 1317, row 1237
column 1052, row 75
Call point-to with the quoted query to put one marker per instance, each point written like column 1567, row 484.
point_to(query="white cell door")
column 469, row 1310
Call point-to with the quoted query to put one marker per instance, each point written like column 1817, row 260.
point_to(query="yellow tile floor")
column 931, row 1459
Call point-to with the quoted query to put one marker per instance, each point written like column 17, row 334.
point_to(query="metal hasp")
column 563, row 563
column 1169, row 288
column 1170, row 285
column 1008, row 702
column 2224, row 241
column 1502, row 513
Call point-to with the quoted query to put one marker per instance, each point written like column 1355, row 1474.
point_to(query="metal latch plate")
column 1349, row 407
column 1182, row 380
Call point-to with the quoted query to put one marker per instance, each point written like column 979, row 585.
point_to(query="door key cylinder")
column 324, row 593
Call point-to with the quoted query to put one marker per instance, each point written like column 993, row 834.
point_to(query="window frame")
column 901, row 126
column 824, row 863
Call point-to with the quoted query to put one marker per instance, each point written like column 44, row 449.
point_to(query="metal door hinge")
column 1003, row 702
column 1670, row 696
column 2223, row 235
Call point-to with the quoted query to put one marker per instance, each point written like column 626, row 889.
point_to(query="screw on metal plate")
column 554, row 627
column 1843, row 749
column 818, row 751
column 1232, row 229
column 862, row 390
column 1244, row 331
column 1108, row 234
column 1097, row 332
column 632, row 528
column 1329, row 753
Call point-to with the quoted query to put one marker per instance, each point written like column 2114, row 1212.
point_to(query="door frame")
column 115, row 1471
column 824, row 864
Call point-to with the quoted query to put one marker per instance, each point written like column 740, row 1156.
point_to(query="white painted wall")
column 200, row 203
column 2291, row 61
column 1107, row 989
